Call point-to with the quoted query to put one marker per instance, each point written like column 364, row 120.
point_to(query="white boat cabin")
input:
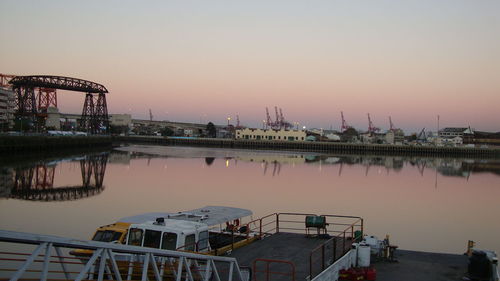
column 170, row 234
column 188, row 231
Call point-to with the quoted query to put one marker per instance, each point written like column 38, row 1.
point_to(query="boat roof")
column 176, row 226
column 210, row 215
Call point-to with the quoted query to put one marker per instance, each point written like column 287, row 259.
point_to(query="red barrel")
column 370, row 274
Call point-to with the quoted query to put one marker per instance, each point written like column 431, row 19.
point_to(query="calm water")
column 426, row 204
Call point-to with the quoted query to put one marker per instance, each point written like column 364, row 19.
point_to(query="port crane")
column 344, row 123
column 371, row 128
column 422, row 135
column 279, row 123
column 238, row 124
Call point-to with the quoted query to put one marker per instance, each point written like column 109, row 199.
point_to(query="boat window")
column 135, row 237
column 203, row 241
column 190, row 242
column 169, row 241
column 107, row 236
column 152, row 239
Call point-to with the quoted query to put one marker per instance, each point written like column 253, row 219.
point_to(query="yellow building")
column 259, row 134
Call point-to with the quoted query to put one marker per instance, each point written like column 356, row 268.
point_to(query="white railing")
column 331, row 273
column 43, row 257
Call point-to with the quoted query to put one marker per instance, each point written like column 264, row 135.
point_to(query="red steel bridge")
column 29, row 89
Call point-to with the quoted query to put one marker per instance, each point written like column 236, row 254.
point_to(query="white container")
column 363, row 255
column 374, row 243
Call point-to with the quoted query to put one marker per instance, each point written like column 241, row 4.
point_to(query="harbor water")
column 424, row 204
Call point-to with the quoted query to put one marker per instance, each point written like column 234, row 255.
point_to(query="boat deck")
column 291, row 247
column 416, row 266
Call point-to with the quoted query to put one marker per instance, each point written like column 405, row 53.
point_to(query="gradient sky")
column 206, row 60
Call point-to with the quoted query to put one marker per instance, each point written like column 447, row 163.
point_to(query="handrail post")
column 310, row 265
column 260, row 228
column 334, row 249
column 322, row 257
column 277, row 222
column 343, row 244
column 362, row 228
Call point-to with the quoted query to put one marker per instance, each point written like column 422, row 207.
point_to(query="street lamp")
column 228, row 119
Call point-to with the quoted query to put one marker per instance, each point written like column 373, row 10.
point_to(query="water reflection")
column 444, row 166
column 272, row 162
column 209, row 160
column 36, row 182
column 396, row 195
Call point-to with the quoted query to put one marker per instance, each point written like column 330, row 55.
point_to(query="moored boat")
column 281, row 244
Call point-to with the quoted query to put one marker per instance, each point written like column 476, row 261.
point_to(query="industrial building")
column 270, row 134
column 452, row 132
column 7, row 102
column 396, row 136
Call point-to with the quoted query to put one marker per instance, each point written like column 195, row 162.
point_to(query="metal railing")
column 340, row 232
column 335, row 247
column 50, row 259
column 269, row 272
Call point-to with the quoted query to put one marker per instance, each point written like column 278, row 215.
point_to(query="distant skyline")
column 203, row 61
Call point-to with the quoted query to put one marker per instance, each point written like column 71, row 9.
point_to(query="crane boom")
column 371, row 127
column 344, row 123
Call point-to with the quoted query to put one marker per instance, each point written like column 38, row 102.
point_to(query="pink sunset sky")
column 203, row 61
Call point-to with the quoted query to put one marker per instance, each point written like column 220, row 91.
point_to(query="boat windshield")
column 107, row 236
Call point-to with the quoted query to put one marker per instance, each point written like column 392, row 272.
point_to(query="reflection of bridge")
column 37, row 183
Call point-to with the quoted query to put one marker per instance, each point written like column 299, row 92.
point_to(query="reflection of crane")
column 276, row 167
column 421, row 167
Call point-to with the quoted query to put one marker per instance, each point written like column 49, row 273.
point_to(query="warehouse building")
column 259, row 134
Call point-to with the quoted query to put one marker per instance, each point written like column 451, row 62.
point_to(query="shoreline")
column 318, row 147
